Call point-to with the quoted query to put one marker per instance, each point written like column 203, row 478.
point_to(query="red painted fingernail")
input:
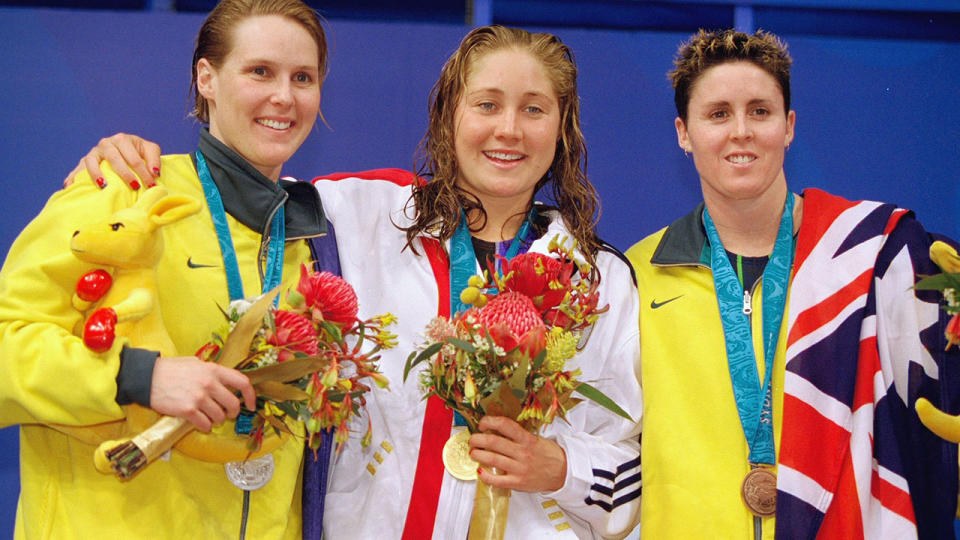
column 101, row 183
column 135, row 185
column 151, row 184
column 156, row 171
column 479, row 470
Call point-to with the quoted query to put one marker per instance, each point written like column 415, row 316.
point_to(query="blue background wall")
column 877, row 117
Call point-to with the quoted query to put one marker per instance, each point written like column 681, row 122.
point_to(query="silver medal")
column 251, row 474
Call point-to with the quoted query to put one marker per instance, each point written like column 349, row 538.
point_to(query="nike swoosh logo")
column 654, row 304
column 191, row 264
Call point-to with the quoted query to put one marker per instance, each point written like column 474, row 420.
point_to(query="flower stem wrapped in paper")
column 947, row 282
column 506, row 355
column 306, row 363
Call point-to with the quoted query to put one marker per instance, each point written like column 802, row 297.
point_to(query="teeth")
column 740, row 159
column 504, row 156
column 273, row 123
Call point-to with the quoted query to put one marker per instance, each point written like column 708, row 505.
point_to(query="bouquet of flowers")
column 307, row 364
column 948, row 282
column 507, row 354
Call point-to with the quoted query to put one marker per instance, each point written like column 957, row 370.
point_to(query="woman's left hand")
column 524, row 461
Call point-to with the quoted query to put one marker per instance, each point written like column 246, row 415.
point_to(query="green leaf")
column 278, row 391
column 290, row 370
column 465, row 346
column 289, row 409
column 538, row 361
column 416, row 358
column 601, row 399
column 333, row 330
column 518, row 379
column 237, row 345
column 939, row 282
column 278, row 425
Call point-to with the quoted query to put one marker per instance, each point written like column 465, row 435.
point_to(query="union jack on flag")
column 855, row 462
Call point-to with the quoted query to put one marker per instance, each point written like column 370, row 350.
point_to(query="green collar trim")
column 684, row 242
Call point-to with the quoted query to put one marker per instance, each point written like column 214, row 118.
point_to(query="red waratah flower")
column 294, row 332
column 532, row 275
column 513, row 320
column 328, row 297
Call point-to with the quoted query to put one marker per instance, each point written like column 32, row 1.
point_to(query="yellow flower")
column 272, row 410
column 470, row 295
column 531, row 411
column 561, row 346
column 387, row 319
column 387, row 340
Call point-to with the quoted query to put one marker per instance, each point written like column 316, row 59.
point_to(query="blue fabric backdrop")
column 876, row 118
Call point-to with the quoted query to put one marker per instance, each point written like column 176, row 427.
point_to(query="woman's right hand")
column 132, row 158
column 202, row 393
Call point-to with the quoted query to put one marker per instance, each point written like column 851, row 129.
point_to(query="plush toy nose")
column 76, row 233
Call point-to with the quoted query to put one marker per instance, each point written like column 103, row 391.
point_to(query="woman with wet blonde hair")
column 504, row 123
column 441, row 199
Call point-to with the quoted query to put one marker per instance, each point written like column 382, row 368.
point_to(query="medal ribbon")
column 463, row 259
column 275, row 243
column 754, row 402
column 463, row 265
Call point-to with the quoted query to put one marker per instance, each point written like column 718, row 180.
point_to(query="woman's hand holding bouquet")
column 307, row 364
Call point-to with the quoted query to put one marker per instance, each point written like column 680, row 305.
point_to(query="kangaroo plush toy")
column 121, row 299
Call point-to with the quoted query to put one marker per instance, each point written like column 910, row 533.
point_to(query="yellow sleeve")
column 48, row 375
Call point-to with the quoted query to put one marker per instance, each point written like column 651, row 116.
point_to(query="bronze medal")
column 759, row 491
column 456, row 457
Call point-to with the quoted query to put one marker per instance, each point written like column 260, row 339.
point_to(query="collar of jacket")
column 684, row 242
column 252, row 198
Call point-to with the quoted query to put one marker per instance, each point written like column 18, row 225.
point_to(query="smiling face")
column 738, row 131
column 265, row 97
column 506, row 124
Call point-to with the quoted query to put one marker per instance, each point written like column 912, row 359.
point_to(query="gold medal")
column 456, row 457
column 759, row 491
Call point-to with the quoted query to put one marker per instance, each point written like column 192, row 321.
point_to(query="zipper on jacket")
column 748, row 311
column 265, row 241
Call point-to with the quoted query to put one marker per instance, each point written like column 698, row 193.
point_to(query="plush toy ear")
column 150, row 197
column 171, row 208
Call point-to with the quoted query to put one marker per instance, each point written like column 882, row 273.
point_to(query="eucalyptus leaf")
column 278, row 424
column 601, row 399
column 290, row 370
column 288, row 409
column 278, row 391
column 518, row 379
column 503, row 401
column 237, row 345
column 538, row 361
column 416, row 358
column 465, row 346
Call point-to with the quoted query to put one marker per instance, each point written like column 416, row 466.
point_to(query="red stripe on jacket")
column 422, row 512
